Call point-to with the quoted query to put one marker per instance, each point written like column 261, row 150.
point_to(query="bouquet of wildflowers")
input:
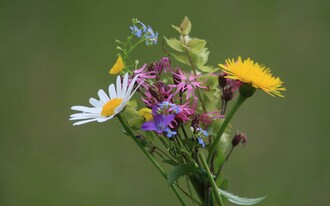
column 175, row 110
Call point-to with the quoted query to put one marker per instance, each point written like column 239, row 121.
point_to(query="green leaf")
column 240, row 200
column 176, row 28
column 208, row 69
column 181, row 58
column 185, row 26
column 179, row 171
column 150, row 135
column 197, row 44
column 224, row 184
column 175, row 44
column 225, row 142
column 219, row 159
column 211, row 99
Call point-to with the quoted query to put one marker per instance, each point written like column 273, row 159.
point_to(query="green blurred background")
column 55, row 54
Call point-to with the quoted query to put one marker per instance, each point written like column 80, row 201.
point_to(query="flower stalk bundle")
column 178, row 115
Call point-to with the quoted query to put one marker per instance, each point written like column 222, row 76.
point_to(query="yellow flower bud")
column 118, row 66
column 147, row 114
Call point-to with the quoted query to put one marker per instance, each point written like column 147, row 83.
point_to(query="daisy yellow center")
column 109, row 108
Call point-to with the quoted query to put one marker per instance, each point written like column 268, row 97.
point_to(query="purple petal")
column 148, row 126
column 168, row 119
column 154, row 110
column 158, row 118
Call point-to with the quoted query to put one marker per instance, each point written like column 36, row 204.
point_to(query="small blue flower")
column 199, row 134
column 170, row 133
column 136, row 31
column 200, row 141
column 140, row 30
column 169, row 107
column 151, row 37
column 176, row 109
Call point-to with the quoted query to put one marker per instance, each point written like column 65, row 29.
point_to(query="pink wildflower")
column 143, row 74
column 186, row 82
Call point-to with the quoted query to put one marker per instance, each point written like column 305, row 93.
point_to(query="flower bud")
column 195, row 122
column 227, row 93
column 247, row 90
column 222, row 80
column 153, row 91
column 176, row 77
column 239, row 138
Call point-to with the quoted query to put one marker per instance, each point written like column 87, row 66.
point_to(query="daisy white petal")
column 103, row 96
column 118, row 86
column 83, row 122
column 95, row 102
column 112, row 91
column 125, row 83
column 106, row 108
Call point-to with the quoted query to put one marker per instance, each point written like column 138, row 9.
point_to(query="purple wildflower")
column 164, row 65
column 160, row 123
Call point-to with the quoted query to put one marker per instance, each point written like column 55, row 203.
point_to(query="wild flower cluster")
column 180, row 111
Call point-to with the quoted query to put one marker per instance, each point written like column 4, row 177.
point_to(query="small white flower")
column 108, row 106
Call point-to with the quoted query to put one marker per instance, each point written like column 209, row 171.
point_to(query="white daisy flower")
column 108, row 106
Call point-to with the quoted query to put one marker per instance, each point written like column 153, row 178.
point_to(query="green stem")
column 190, row 196
column 210, row 176
column 150, row 157
column 238, row 103
column 195, row 73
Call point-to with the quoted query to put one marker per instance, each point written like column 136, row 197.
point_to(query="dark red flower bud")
column 227, row 93
column 239, row 138
column 176, row 78
column 222, row 80
column 195, row 122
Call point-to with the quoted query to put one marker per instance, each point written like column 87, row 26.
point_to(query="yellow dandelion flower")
column 146, row 113
column 118, row 66
column 259, row 76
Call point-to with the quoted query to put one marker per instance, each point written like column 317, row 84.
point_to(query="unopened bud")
column 153, row 91
column 227, row 93
column 222, row 80
column 239, row 138
column 176, row 78
column 195, row 122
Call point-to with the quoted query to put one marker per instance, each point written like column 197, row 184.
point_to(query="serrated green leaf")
column 197, row 44
column 185, row 26
column 208, row 69
column 211, row 99
column 179, row 171
column 199, row 57
column 181, row 58
column 176, row 28
column 175, row 44
column 240, row 200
